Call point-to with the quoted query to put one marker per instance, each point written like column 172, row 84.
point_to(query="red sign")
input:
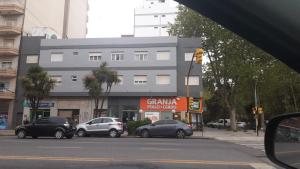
column 163, row 103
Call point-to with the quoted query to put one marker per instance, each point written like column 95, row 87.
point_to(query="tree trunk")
column 232, row 118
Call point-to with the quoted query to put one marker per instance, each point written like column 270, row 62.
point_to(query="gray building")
column 152, row 71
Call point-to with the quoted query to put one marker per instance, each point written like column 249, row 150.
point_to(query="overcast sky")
column 112, row 18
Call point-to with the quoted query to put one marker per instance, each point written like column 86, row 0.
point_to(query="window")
column 193, row 80
column 32, row 59
column 141, row 56
column 75, row 53
column 3, row 86
column 42, row 121
column 106, row 120
column 155, row 16
column 57, row 78
column 163, row 55
column 155, row 27
column 96, row 121
column 95, row 56
column 163, row 79
column 121, row 78
column 163, row 15
column 74, row 78
column 56, row 57
column 6, row 65
column 188, row 56
column 9, row 43
column 140, row 79
column 117, row 56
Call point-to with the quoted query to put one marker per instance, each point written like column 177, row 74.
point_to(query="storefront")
column 3, row 120
column 125, row 108
column 43, row 111
column 69, row 113
column 163, row 108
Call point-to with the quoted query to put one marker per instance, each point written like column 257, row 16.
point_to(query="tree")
column 230, row 57
column 37, row 85
column 236, row 67
column 94, row 84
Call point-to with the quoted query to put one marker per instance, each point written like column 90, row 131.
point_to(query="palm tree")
column 94, row 82
column 111, row 79
column 37, row 85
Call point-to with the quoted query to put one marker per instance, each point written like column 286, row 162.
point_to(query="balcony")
column 8, row 73
column 11, row 7
column 5, row 94
column 9, row 30
column 8, row 51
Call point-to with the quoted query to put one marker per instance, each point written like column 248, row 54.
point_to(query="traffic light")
column 260, row 110
column 198, row 55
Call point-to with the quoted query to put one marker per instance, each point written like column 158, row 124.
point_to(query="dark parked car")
column 57, row 127
column 168, row 128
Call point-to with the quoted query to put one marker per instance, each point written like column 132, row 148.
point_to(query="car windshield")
column 108, row 70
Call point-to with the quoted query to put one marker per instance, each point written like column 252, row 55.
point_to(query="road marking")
column 58, row 147
column 169, row 161
column 159, row 149
column 261, row 166
column 54, row 158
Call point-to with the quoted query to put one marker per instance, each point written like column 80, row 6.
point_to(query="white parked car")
column 102, row 125
column 241, row 124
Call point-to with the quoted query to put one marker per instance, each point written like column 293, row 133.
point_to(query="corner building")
column 152, row 71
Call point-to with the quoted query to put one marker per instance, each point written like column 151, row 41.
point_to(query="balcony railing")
column 5, row 94
column 10, row 30
column 8, row 51
column 8, row 73
column 11, row 7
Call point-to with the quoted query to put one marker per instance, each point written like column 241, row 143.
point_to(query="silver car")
column 102, row 125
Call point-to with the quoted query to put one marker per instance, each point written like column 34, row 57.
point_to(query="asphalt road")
column 125, row 153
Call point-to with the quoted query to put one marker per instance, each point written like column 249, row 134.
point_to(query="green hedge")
column 132, row 125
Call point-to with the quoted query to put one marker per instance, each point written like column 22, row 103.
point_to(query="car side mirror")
column 282, row 140
column 89, row 123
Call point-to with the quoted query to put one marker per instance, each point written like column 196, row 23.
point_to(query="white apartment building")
column 153, row 18
column 64, row 18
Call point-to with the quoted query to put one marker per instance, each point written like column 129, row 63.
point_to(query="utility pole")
column 256, row 109
column 198, row 54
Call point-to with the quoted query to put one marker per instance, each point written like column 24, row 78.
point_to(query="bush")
column 132, row 125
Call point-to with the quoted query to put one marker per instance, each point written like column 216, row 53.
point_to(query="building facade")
column 150, row 71
column 153, row 18
column 31, row 17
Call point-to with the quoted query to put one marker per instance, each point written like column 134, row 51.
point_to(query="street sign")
column 195, row 104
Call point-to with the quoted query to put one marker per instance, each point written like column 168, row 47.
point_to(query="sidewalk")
column 7, row 132
column 223, row 134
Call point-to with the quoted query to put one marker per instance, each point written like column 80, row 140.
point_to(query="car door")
column 105, row 124
column 40, row 127
column 156, row 128
column 93, row 126
column 170, row 127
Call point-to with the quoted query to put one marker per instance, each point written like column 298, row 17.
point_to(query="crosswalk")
column 250, row 142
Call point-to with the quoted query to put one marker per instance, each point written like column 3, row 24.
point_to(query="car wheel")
column 21, row 134
column 81, row 133
column 145, row 134
column 59, row 134
column 113, row 133
column 180, row 134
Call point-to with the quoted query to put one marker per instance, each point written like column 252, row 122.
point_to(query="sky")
column 112, row 18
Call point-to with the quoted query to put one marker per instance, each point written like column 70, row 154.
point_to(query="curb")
column 7, row 133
